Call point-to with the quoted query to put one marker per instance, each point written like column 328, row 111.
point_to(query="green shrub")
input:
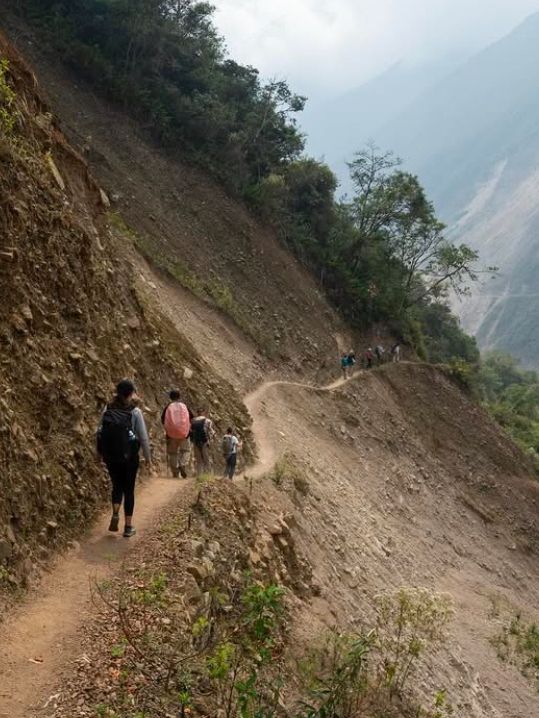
column 8, row 115
column 518, row 644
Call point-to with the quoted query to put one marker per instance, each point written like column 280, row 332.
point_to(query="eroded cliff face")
column 73, row 319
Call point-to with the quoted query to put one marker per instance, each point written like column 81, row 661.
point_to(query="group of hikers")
column 368, row 358
column 122, row 434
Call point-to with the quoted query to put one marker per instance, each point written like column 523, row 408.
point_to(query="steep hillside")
column 73, row 321
column 188, row 227
column 374, row 488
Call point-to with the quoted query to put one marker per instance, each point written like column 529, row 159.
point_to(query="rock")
column 52, row 525
column 197, row 547
column 6, row 549
column 200, row 571
column 214, row 547
column 55, row 172
column 26, row 313
column 31, row 455
column 133, row 323
column 43, row 552
column 187, row 373
column 10, row 534
column 105, row 201
column 282, row 543
column 26, row 568
column 43, row 121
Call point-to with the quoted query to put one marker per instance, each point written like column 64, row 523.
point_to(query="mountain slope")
column 73, row 321
column 186, row 225
column 474, row 141
column 338, row 128
column 419, row 489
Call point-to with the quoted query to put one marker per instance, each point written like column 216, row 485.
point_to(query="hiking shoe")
column 183, row 472
column 129, row 531
column 114, row 522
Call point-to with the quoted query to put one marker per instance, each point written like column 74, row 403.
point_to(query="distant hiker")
column 121, row 433
column 202, row 432
column 231, row 444
column 176, row 419
column 344, row 366
column 351, row 361
column 396, row 352
column 379, row 351
column 369, row 356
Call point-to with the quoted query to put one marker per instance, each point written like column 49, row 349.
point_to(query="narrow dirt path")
column 262, row 428
column 41, row 636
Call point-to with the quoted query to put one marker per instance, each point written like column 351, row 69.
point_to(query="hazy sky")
column 322, row 46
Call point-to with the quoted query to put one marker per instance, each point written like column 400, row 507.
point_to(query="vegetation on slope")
column 512, row 396
column 203, row 630
column 380, row 256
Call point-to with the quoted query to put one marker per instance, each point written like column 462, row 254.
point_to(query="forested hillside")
column 381, row 257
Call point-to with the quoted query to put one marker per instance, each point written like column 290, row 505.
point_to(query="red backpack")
column 177, row 422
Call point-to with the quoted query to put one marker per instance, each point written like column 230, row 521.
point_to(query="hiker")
column 121, row 434
column 202, row 433
column 231, row 445
column 396, row 352
column 369, row 356
column 344, row 366
column 351, row 361
column 379, row 351
column 176, row 419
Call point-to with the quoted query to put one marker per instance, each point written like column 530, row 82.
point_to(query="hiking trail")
column 41, row 636
column 267, row 453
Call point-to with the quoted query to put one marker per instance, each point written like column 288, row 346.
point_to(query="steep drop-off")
column 376, row 488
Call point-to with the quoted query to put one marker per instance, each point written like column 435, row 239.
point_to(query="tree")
column 391, row 208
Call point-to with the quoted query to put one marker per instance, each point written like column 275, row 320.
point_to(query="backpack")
column 177, row 422
column 199, row 433
column 227, row 445
column 116, row 440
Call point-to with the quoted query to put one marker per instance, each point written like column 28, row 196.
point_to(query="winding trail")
column 41, row 636
column 262, row 429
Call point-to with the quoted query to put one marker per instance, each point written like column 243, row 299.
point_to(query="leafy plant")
column 7, row 99
column 518, row 643
column 369, row 673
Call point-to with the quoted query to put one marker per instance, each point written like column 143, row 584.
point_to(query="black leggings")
column 123, row 477
column 230, row 469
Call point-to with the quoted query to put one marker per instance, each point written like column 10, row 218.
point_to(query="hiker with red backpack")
column 202, row 433
column 176, row 419
column 121, row 434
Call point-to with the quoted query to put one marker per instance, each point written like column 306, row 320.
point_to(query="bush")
column 370, row 673
column 8, row 115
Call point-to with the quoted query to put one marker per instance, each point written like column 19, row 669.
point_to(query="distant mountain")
column 457, row 133
column 473, row 138
column 338, row 127
column 474, row 141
